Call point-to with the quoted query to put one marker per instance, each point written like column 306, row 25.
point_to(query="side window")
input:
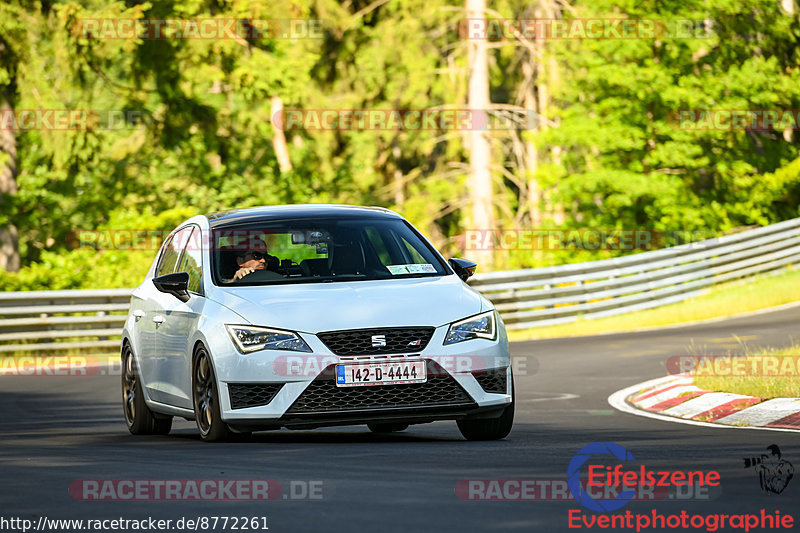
column 172, row 252
column 162, row 256
column 192, row 261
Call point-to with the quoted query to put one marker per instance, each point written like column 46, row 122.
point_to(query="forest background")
column 603, row 144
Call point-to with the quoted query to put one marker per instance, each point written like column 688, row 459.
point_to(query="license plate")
column 387, row 373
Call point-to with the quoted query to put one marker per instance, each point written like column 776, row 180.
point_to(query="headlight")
column 477, row 327
column 252, row 338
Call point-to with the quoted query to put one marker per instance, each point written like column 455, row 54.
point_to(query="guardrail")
column 561, row 294
column 46, row 321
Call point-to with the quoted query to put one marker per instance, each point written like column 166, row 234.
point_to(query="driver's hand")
column 242, row 272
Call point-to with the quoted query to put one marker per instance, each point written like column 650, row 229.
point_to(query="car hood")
column 315, row 307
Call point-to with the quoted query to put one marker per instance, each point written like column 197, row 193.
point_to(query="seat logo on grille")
column 378, row 341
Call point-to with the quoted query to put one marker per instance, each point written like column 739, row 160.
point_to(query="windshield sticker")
column 424, row 268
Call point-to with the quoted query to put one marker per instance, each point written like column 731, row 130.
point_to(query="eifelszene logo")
column 774, row 472
column 619, row 485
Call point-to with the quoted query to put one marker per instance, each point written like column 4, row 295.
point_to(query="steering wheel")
column 259, row 275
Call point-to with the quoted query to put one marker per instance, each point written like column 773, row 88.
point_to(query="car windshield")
column 322, row 250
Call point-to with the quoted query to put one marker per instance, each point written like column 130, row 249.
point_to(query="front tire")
column 490, row 428
column 138, row 417
column 206, row 399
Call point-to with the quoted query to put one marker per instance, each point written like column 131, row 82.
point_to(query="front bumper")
column 298, row 390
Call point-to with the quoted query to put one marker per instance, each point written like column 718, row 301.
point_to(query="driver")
column 249, row 262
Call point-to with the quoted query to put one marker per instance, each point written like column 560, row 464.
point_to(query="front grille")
column 360, row 341
column 252, row 394
column 323, row 396
column 492, row 380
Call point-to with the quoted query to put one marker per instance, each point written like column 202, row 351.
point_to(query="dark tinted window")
column 301, row 251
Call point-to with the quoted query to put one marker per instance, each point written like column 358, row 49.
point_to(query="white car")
column 306, row 316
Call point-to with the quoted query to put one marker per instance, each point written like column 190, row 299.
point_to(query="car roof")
column 235, row 217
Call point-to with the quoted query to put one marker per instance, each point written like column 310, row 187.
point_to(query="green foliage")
column 624, row 151
column 614, row 157
column 101, row 257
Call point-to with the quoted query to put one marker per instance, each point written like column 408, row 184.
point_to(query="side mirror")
column 176, row 284
column 463, row 268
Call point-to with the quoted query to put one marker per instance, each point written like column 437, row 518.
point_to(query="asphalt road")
column 56, row 430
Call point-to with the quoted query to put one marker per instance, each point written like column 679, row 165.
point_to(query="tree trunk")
column 278, row 138
column 531, row 153
column 9, row 238
column 556, row 208
column 480, row 179
column 547, row 79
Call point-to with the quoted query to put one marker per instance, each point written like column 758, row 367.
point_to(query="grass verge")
column 750, row 294
column 765, row 374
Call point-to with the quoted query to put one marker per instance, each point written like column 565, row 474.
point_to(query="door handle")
column 158, row 319
column 138, row 314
